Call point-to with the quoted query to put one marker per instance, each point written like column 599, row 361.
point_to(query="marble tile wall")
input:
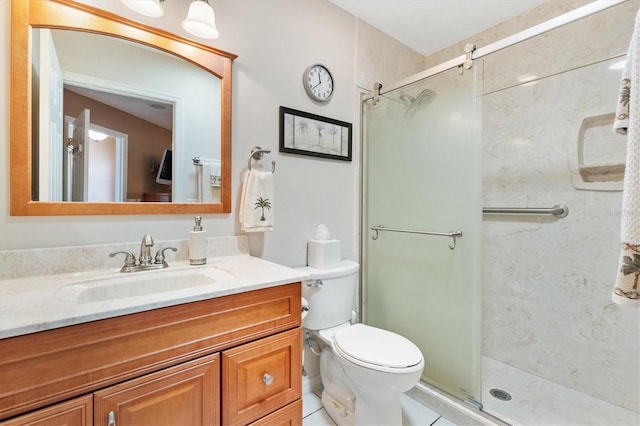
column 579, row 43
column 61, row 260
column 547, row 282
column 382, row 59
column 536, row 16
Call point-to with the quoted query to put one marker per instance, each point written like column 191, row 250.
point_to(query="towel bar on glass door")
column 451, row 235
column 559, row 210
column 257, row 153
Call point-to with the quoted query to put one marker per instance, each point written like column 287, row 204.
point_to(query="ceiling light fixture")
column 97, row 136
column 201, row 20
column 151, row 8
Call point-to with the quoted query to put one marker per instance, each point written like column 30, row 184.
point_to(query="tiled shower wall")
column 547, row 282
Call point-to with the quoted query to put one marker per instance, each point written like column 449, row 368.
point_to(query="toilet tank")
column 331, row 295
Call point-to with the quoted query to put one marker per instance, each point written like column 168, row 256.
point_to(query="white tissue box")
column 323, row 254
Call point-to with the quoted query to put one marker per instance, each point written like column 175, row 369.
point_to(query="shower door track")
column 551, row 24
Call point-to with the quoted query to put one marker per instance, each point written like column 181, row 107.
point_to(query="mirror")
column 154, row 124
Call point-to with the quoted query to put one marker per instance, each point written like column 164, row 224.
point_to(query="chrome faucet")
column 145, row 258
column 145, row 262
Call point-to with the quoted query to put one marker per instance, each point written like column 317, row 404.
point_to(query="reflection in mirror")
column 53, row 137
column 108, row 111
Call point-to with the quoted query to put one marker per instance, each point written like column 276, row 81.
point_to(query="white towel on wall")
column 256, row 202
column 627, row 121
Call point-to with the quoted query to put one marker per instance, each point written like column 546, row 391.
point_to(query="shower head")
column 413, row 105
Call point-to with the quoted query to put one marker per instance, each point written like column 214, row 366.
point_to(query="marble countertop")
column 33, row 304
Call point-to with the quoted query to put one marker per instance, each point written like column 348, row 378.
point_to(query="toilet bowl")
column 364, row 369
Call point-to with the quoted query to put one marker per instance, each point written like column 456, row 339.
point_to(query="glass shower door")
column 422, row 150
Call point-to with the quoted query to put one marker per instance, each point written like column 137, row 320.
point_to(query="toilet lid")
column 377, row 347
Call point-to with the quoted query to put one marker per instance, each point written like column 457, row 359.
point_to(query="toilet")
column 364, row 369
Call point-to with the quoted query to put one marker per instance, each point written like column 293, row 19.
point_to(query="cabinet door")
column 76, row 412
column 187, row 394
column 261, row 377
column 290, row 415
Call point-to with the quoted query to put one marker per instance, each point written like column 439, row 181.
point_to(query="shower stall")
column 490, row 225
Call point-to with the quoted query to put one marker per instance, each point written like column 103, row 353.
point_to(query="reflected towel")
column 207, row 179
column 627, row 290
column 213, row 172
column 256, row 202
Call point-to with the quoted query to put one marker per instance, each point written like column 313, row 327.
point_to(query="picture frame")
column 304, row 133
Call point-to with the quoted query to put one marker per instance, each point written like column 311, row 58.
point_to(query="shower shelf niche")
column 597, row 159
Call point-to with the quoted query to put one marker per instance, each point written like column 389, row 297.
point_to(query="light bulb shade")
column 201, row 20
column 151, row 8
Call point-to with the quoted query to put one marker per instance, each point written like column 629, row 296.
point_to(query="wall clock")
column 318, row 82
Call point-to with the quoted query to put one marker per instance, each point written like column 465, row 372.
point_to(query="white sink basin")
column 135, row 284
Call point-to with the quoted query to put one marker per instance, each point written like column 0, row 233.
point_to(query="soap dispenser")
column 198, row 244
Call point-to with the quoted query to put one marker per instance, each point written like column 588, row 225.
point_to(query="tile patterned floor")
column 413, row 413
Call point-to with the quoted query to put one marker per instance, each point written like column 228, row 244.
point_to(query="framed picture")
column 308, row 134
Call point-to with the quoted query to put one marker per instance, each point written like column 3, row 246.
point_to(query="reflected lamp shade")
column 201, row 20
column 151, row 8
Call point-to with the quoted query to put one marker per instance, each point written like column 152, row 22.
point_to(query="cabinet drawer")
column 188, row 394
column 291, row 415
column 77, row 412
column 261, row 377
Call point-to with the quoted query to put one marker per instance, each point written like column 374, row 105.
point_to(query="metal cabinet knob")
column 111, row 419
column 267, row 379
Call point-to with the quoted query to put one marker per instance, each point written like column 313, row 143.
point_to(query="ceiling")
column 428, row 26
column 153, row 111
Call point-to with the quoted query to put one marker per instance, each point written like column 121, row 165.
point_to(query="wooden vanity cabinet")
column 75, row 412
column 232, row 360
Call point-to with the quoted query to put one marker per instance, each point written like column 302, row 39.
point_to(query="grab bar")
column 559, row 210
column 451, row 235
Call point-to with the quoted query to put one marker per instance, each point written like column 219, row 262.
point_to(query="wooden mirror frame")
column 69, row 15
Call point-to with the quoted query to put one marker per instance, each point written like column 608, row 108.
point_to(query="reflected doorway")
column 95, row 161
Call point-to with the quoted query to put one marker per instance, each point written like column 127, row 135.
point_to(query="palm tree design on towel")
column 630, row 266
column 262, row 204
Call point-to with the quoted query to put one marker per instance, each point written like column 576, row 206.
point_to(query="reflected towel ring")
column 257, row 153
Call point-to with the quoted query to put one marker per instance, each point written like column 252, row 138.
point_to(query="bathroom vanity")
column 226, row 353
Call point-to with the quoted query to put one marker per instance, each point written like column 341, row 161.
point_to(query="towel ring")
column 257, row 153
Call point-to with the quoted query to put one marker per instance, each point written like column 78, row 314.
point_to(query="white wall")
column 275, row 41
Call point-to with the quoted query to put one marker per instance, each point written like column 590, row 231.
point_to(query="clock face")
column 318, row 83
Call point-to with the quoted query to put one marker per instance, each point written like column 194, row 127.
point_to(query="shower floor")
column 536, row 401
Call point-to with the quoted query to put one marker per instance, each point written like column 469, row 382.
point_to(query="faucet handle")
column 129, row 260
column 160, row 255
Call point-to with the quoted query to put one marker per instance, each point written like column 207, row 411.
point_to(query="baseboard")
column 311, row 384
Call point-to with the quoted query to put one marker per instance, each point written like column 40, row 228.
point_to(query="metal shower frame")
column 471, row 52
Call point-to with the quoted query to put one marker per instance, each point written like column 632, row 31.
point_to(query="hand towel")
column 256, row 202
column 626, row 290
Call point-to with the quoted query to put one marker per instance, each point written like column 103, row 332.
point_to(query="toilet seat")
column 377, row 349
